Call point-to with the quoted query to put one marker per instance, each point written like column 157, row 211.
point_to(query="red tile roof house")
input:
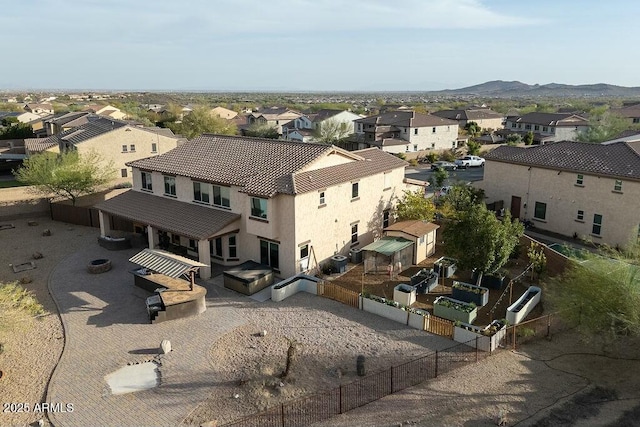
column 289, row 205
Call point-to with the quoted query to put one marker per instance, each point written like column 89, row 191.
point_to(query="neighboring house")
column 299, row 129
column 63, row 122
column 547, row 127
column 629, row 112
column 114, row 140
column 275, row 116
column 339, row 116
column 224, row 113
column 407, row 131
column 287, row 205
column 40, row 109
column 107, row 111
column 484, row 117
column 22, row 117
column 571, row 188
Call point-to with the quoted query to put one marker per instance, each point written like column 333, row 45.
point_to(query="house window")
column 123, row 173
column 433, row 130
column 636, row 120
column 221, row 196
column 519, row 125
column 270, row 254
column 218, row 247
column 258, row 207
column 433, row 145
column 354, row 190
column 154, row 147
column 422, row 240
column 233, row 247
column 597, row 224
column 580, row 180
column 175, row 239
column 387, row 181
column 527, row 127
column 415, row 147
column 536, row 127
column 132, row 148
column 146, row 181
column 354, row 234
column 304, row 251
column 193, row 245
column 385, row 219
column 540, row 211
column 170, row 185
column 404, row 130
column 124, row 148
column 617, row 186
column 415, row 131
column 513, row 124
column 360, row 127
column 580, row 216
column 406, row 148
column 322, row 199
column 201, row 192
column 545, row 129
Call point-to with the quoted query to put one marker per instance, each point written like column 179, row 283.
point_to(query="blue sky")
column 315, row 45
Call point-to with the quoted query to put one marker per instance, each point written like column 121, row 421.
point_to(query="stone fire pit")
column 98, row 266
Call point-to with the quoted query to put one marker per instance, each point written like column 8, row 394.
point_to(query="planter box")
column 490, row 281
column 420, row 276
column 387, row 311
column 453, row 314
column 293, row 285
column 480, row 298
column 523, row 306
column 427, row 283
column 445, row 267
column 404, row 294
column 416, row 320
column 485, row 342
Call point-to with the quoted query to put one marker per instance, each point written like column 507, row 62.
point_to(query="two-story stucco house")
column 274, row 117
column 115, row 141
column 572, row 188
column 288, row 205
column 407, row 131
column 547, row 127
column 304, row 127
column 484, row 117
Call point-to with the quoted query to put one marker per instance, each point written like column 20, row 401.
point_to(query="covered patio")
column 191, row 226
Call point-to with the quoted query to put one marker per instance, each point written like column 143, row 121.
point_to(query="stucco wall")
column 564, row 198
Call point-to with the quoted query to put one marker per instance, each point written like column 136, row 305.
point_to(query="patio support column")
column 105, row 225
column 204, row 256
column 153, row 237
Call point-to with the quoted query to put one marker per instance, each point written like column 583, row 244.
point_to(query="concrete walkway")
column 106, row 327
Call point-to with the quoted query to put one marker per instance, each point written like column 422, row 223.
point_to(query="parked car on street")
column 470, row 161
column 443, row 165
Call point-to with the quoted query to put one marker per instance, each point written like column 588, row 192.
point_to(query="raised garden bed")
column 470, row 293
column 453, row 309
column 395, row 311
column 517, row 311
column 425, row 281
column 405, row 294
column 445, row 267
column 487, row 338
column 491, row 281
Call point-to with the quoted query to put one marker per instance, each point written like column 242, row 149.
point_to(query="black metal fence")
column 321, row 406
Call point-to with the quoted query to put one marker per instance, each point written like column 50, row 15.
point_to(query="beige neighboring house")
column 107, row 111
column 486, row 118
column 421, row 233
column 288, row 205
column 630, row 112
column 546, row 127
column 39, row 109
column 407, row 131
column 65, row 121
column 114, row 140
column 224, row 113
column 572, row 188
column 303, row 128
column 274, row 116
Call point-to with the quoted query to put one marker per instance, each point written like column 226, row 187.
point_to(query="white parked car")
column 470, row 161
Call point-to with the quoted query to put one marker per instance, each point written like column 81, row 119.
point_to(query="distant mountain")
column 515, row 89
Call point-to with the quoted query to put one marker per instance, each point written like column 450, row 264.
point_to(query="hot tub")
column 248, row 277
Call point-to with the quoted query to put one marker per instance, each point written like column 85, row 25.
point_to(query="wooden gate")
column 438, row 326
column 338, row 293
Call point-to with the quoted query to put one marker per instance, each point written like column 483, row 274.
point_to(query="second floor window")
column 201, row 192
column 124, row 148
column 170, row 185
column 354, row 233
column 259, row 207
column 221, row 196
column 617, row 186
column 154, row 147
column 132, row 147
column 322, row 198
column 540, row 211
column 580, row 216
column 354, row 190
column 580, row 180
column 233, row 247
column 146, row 181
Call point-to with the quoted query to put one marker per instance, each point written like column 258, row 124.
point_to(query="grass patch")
column 17, row 304
column 12, row 183
column 581, row 407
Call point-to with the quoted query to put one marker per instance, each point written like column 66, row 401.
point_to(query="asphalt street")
column 424, row 172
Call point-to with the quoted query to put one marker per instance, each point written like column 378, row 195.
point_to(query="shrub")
column 448, row 156
column 432, row 157
column 413, row 162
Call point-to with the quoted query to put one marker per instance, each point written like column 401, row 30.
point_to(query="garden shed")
column 421, row 233
column 388, row 251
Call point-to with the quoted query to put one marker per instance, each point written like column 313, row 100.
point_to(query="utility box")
column 339, row 263
column 356, row 256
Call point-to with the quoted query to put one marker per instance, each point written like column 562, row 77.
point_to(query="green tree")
column 528, row 138
column 8, row 121
column 438, row 177
column 414, row 205
column 331, row 132
column 17, row 131
column 473, row 147
column 473, row 129
column 600, row 295
column 262, row 131
column 481, row 241
column 604, row 126
column 459, row 199
column 200, row 120
column 514, row 139
column 68, row 174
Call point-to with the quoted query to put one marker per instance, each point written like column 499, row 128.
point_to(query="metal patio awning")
column 166, row 263
column 388, row 245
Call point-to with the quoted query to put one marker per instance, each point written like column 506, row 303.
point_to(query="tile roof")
column 407, row 119
column 473, row 114
column 35, row 145
column 413, row 227
column 553, row 119
column 185, row 219
column 67, row 117
column 324, row 114
column 620, row 159
column 374, row 161
column 262, row 167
